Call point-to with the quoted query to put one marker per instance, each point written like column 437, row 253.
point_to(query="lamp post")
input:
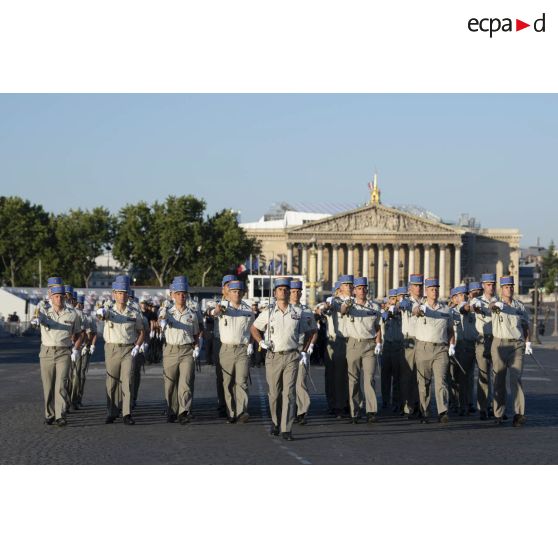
column 536, row 276
column 400, row 273
column 555, row 332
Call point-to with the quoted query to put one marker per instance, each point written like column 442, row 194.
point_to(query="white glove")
column 264, row 345
column 144, row 347
column 91, row 349
column 422, row 308
column 378, row 349
column 135, row 351
column 391, row 308
column 499, row 305
column 35, row 322
column 451, row 350
column 477, row 304
column 151, row 334
column 310, row 349
column 304, row 358
column 196, row 353
column 84, row 351
column 163, row 324
column 250, row 349
column 101, row 313
column 329, row 299
column 528, row 348
column 75, row 354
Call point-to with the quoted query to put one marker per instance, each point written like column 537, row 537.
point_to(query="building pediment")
column 373, row 219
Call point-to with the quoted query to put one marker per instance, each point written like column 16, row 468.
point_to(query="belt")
column 433, row 344
column 509, row 340
column 233, row 345
column 121, row 344
column 361, row 340
column 284, row 352
column 57, row 347
column 183, row 345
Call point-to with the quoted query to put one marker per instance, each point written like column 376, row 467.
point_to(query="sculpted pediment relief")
column 373, row 219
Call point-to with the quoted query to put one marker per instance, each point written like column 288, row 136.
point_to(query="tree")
column 550, row 268
column 24, row 231
column 163, row 238
column 82, row 236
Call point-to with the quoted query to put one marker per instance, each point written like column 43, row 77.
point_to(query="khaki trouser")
column 329, row 374
column 408, row 376
column 507, row 354
column 280, row 373
column 55, row 367
column 483, row 352
column 390, row 372
column 137, row 365
column 84, row 365
column 432, row 361
column 221, row 403
column 75, row 379
column 179, row 375
column 361, row 362
column 235, row 366
column 340, row 373
column 302, row 395
column 118, row 362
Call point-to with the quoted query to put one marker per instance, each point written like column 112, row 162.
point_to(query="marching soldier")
column 123, row 334
column 283, row 325
column 75, row 379
column 408, row 371
column 392, row 352
column 302, row 395
column 221, row 403
column 510, row 327
column 90, row 339
column 60, row 346
column 462, row 368
column 364, row 343
column 480, row 305
column 180, row 324
column 434, row 332
column 236, row 318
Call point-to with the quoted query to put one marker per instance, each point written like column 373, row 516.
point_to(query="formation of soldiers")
column 414, row 341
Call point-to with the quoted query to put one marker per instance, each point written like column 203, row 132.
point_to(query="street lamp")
column 536, row 277
column 555, row 332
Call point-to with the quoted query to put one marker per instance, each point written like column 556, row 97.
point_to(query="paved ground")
column 209, row 440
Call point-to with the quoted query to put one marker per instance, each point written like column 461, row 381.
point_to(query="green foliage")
column 550, row 268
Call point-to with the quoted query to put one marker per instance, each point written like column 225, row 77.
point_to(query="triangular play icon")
column 519, row 25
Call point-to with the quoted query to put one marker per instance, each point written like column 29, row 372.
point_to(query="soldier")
column 124, row 335
column 89, row 340
column 462, row 368
column 434, row 331
column 235, row 319
column 364, row 343
column 60, row 346
column 480, row 304
column 180, row 324
column 392, row 352
column 283, row 325
column 510, row 327
column 408, row 370
column 75, row 376
column 221, row 403
column 475, row 287
column 302, row 395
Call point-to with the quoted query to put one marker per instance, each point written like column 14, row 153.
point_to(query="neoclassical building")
column 386, row 245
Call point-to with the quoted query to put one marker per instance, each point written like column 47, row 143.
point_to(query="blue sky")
column 492, row 156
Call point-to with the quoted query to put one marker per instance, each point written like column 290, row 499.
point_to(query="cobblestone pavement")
column 24, row 439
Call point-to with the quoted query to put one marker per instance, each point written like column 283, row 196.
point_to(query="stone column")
column 499, row 271
column 365, row 263
column 411, row 260
column 312, row 283
column 350, row 259
column 442, row 272
column 289, row 258
column 380, row 266
column 426, row 260
column 395, row 267
column 457, row 264
column 304, row 270
column 320, row 270
column 334, row 263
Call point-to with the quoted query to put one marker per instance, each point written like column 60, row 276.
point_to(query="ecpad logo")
column 493, row 25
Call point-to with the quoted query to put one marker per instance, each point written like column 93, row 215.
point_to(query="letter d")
column 536, row 24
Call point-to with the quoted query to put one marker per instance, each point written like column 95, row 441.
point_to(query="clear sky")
column 492, row 156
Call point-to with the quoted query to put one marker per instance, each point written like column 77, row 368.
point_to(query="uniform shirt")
column 392, row 331
column 89, row 324
column 216, row 332
column 408, row 321
column 361, row 320
column 122, row 327
column 483, row 319
column 82, row 319
column 235, row 323
column 340, row 320
column 433, row 326
column 181, row 326
column 285, row 328
column 57, row 329
column 307, row 315
column 508, row 324
column 464, row 325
